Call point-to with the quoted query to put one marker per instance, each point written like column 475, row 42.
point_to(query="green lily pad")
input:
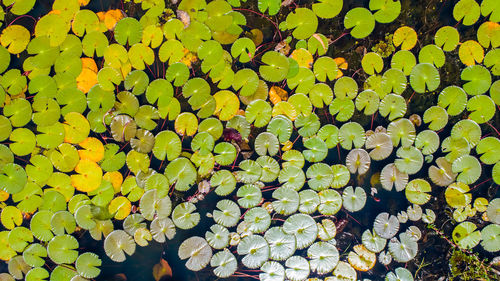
column 352, row 134
column 184, row 216
column 424, row 77
column 34, row 255
column 87, row 265
column 276, row 66
column 482, row 107
column 466, row 235
column 303, row 21
column 488, row 7
column 61, row 249
column 362, row 22
column 325, row 68
column 454, row 99
column 259, row 113
column 479, row 79
column 404, row 60
column 410, row 160
column 489, row 148
column 466, row 10
column 54, row 27
column 447, row 37
column 128, row 31
column 182, row 173
column 436, row 116
column 272, row 5
column 386, row 10
column 250, row 172
column 13, row 178
column 320, row 176
column 372, row 62
column 141, row 55
column 432, row 54
column 489, row 236
column 468, row 169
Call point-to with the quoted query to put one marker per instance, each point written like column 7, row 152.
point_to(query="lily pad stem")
column 481, row 183
column 20, row 17
column 408, row 102
column 264, row 16
column 152, row 73
column 338, row 38
column 495, row 129
column 241, row 274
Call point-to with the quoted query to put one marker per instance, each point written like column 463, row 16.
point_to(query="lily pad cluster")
column 120, row 124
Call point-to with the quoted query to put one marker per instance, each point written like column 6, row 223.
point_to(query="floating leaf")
column 89, row 176
column 358, row 161
column 466, row 10
column 406, row 37
column 424, row 77
column 327, row 9
column 454, row 99
column 471, row 52
column 350, row 134
column 381, row 144
column 432, row 54
column 385, row 225
column 482, row 107
column 117, row 243
column 489, row 236
column 416, row 191
column 86, row 265
column 457, row 195
column 183, row 216
column 34, row 255
column 447, row 37
column 61, row 249
column 258, row 219
column 479, row 79
column 466, row 235
column 361, row 258
column 54, row 27
column 353, row 200
column 181, row 172
column 488, row 147
column 255, row 250
column 225, row 263
column 13, row 178
column 276, row 65
column 344, row 271
column 16, row 37
column 372, row 62
column 361, row 21
column 128, row 31
column 303, row 21
column 468, row 169
column 404, row 60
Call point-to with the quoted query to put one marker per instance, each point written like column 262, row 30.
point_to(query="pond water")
column 434, row 252
column 426, row 17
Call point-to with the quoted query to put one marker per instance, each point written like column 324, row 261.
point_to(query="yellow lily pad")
column 93, row 149
column 16, row 37
column 76, row 127
column 89, row 176
column 11, row 217
column 361, row 258
column 115, row 178
column 120, row 207
column 227, row 104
